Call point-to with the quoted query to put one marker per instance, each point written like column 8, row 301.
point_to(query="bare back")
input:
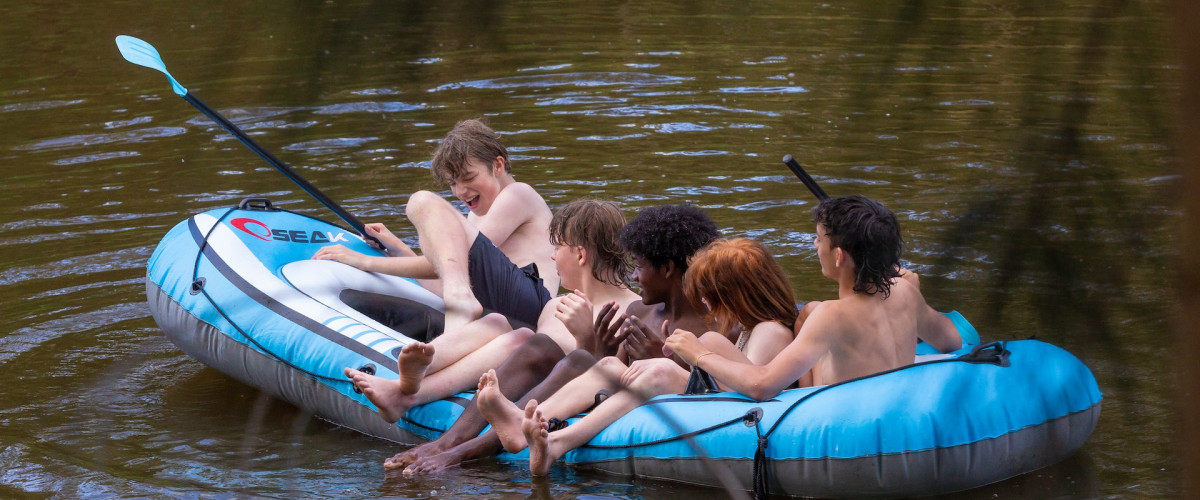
column 868, row 334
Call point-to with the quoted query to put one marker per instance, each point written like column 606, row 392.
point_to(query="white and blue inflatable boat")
column 235, row 289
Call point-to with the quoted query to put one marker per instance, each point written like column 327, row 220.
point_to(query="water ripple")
column 581, row 99
column 707, row 152
column 368, row 107
column 77, row 220
column 763, row 90
column 88, row 140
column 29, row 337
column 38, row 105
column 96, row 157
column 327, row 146
column 699, row 190
column 568, row 79
column 129, row 258
column 641, row 110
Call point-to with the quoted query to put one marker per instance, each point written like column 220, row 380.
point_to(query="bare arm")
column 937, row 330
column 405, row 262
column 760, row 382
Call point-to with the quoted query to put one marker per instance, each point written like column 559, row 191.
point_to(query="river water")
column 1023, row 146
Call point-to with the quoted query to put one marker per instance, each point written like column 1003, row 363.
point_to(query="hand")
column 393, row 244
column 637, row 369
column 607, row 330
column 339, row 253
column 685, row 345
column 641, row 341
column 574, row 310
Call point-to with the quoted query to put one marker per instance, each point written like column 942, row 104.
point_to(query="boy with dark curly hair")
column 661, row 240
column 873, row 326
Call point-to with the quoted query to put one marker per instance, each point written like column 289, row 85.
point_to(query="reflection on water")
column 1021, row 145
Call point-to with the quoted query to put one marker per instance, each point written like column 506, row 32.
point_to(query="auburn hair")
column 740, row 282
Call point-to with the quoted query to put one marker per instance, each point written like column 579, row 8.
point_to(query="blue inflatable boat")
column 235, row 289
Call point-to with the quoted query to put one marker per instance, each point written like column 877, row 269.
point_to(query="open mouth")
column 472, row 203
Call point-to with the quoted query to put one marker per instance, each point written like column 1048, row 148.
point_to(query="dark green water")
column 1023, row 146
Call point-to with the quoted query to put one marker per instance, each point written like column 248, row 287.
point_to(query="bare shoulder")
column 520, row 192
column 639, row 309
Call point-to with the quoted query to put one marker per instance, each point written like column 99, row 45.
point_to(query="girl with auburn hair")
column 743, row 289
column 741, row 285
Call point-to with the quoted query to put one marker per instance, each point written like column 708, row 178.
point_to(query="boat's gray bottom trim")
column 921, row 473
column 214, row 348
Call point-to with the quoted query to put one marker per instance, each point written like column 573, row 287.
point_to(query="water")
column 1022, row 145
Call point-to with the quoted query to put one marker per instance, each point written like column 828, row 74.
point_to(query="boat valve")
column 368, row 369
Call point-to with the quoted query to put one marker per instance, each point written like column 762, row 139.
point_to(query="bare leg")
column 393, row 403
column 463, row 375
column 446, row 239
column 463, row 442
column 574, row 397
column 544, row 448
column 453, row 345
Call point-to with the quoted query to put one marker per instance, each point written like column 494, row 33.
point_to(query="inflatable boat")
column 235, row 289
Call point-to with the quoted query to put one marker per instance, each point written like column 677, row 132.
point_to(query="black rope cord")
column 198, row 287
column 988, row 353
column 242, row 332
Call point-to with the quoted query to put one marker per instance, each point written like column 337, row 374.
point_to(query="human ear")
column 498, row 166
column 583, row 255
column 668, row 269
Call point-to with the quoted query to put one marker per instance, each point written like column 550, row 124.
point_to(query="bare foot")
column 384, row 393
column 534, row 429
column 435, row 463
column 414, row 360
column 504, row 416
column 411, row 455
column 461, row 308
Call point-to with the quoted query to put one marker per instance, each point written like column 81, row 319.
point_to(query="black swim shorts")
column 500, row 286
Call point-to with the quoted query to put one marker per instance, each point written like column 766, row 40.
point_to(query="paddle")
column 805, row 178
column 141, row 53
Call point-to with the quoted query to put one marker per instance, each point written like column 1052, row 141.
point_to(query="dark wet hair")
column 594, row 225
column 668, row 233
column 869, row 233
column 468, row 139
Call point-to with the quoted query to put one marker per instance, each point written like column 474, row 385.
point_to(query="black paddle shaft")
column 281, row 167
column 805, row 178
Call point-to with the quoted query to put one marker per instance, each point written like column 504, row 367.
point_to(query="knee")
column 539, row 351
column 497, row 322
column 659, row 377
column 518, row 337
column 611, row 365
column 420, row 202
column 578, row 361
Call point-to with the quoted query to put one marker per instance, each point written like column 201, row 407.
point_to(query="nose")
column 456, row 190
column 635, row 277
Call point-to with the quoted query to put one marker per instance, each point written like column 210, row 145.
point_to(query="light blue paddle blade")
column 141, row 53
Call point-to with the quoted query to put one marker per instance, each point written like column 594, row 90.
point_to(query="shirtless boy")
column 585, row 255
column 496, row 259
column 661, row 240
column 873, row 325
